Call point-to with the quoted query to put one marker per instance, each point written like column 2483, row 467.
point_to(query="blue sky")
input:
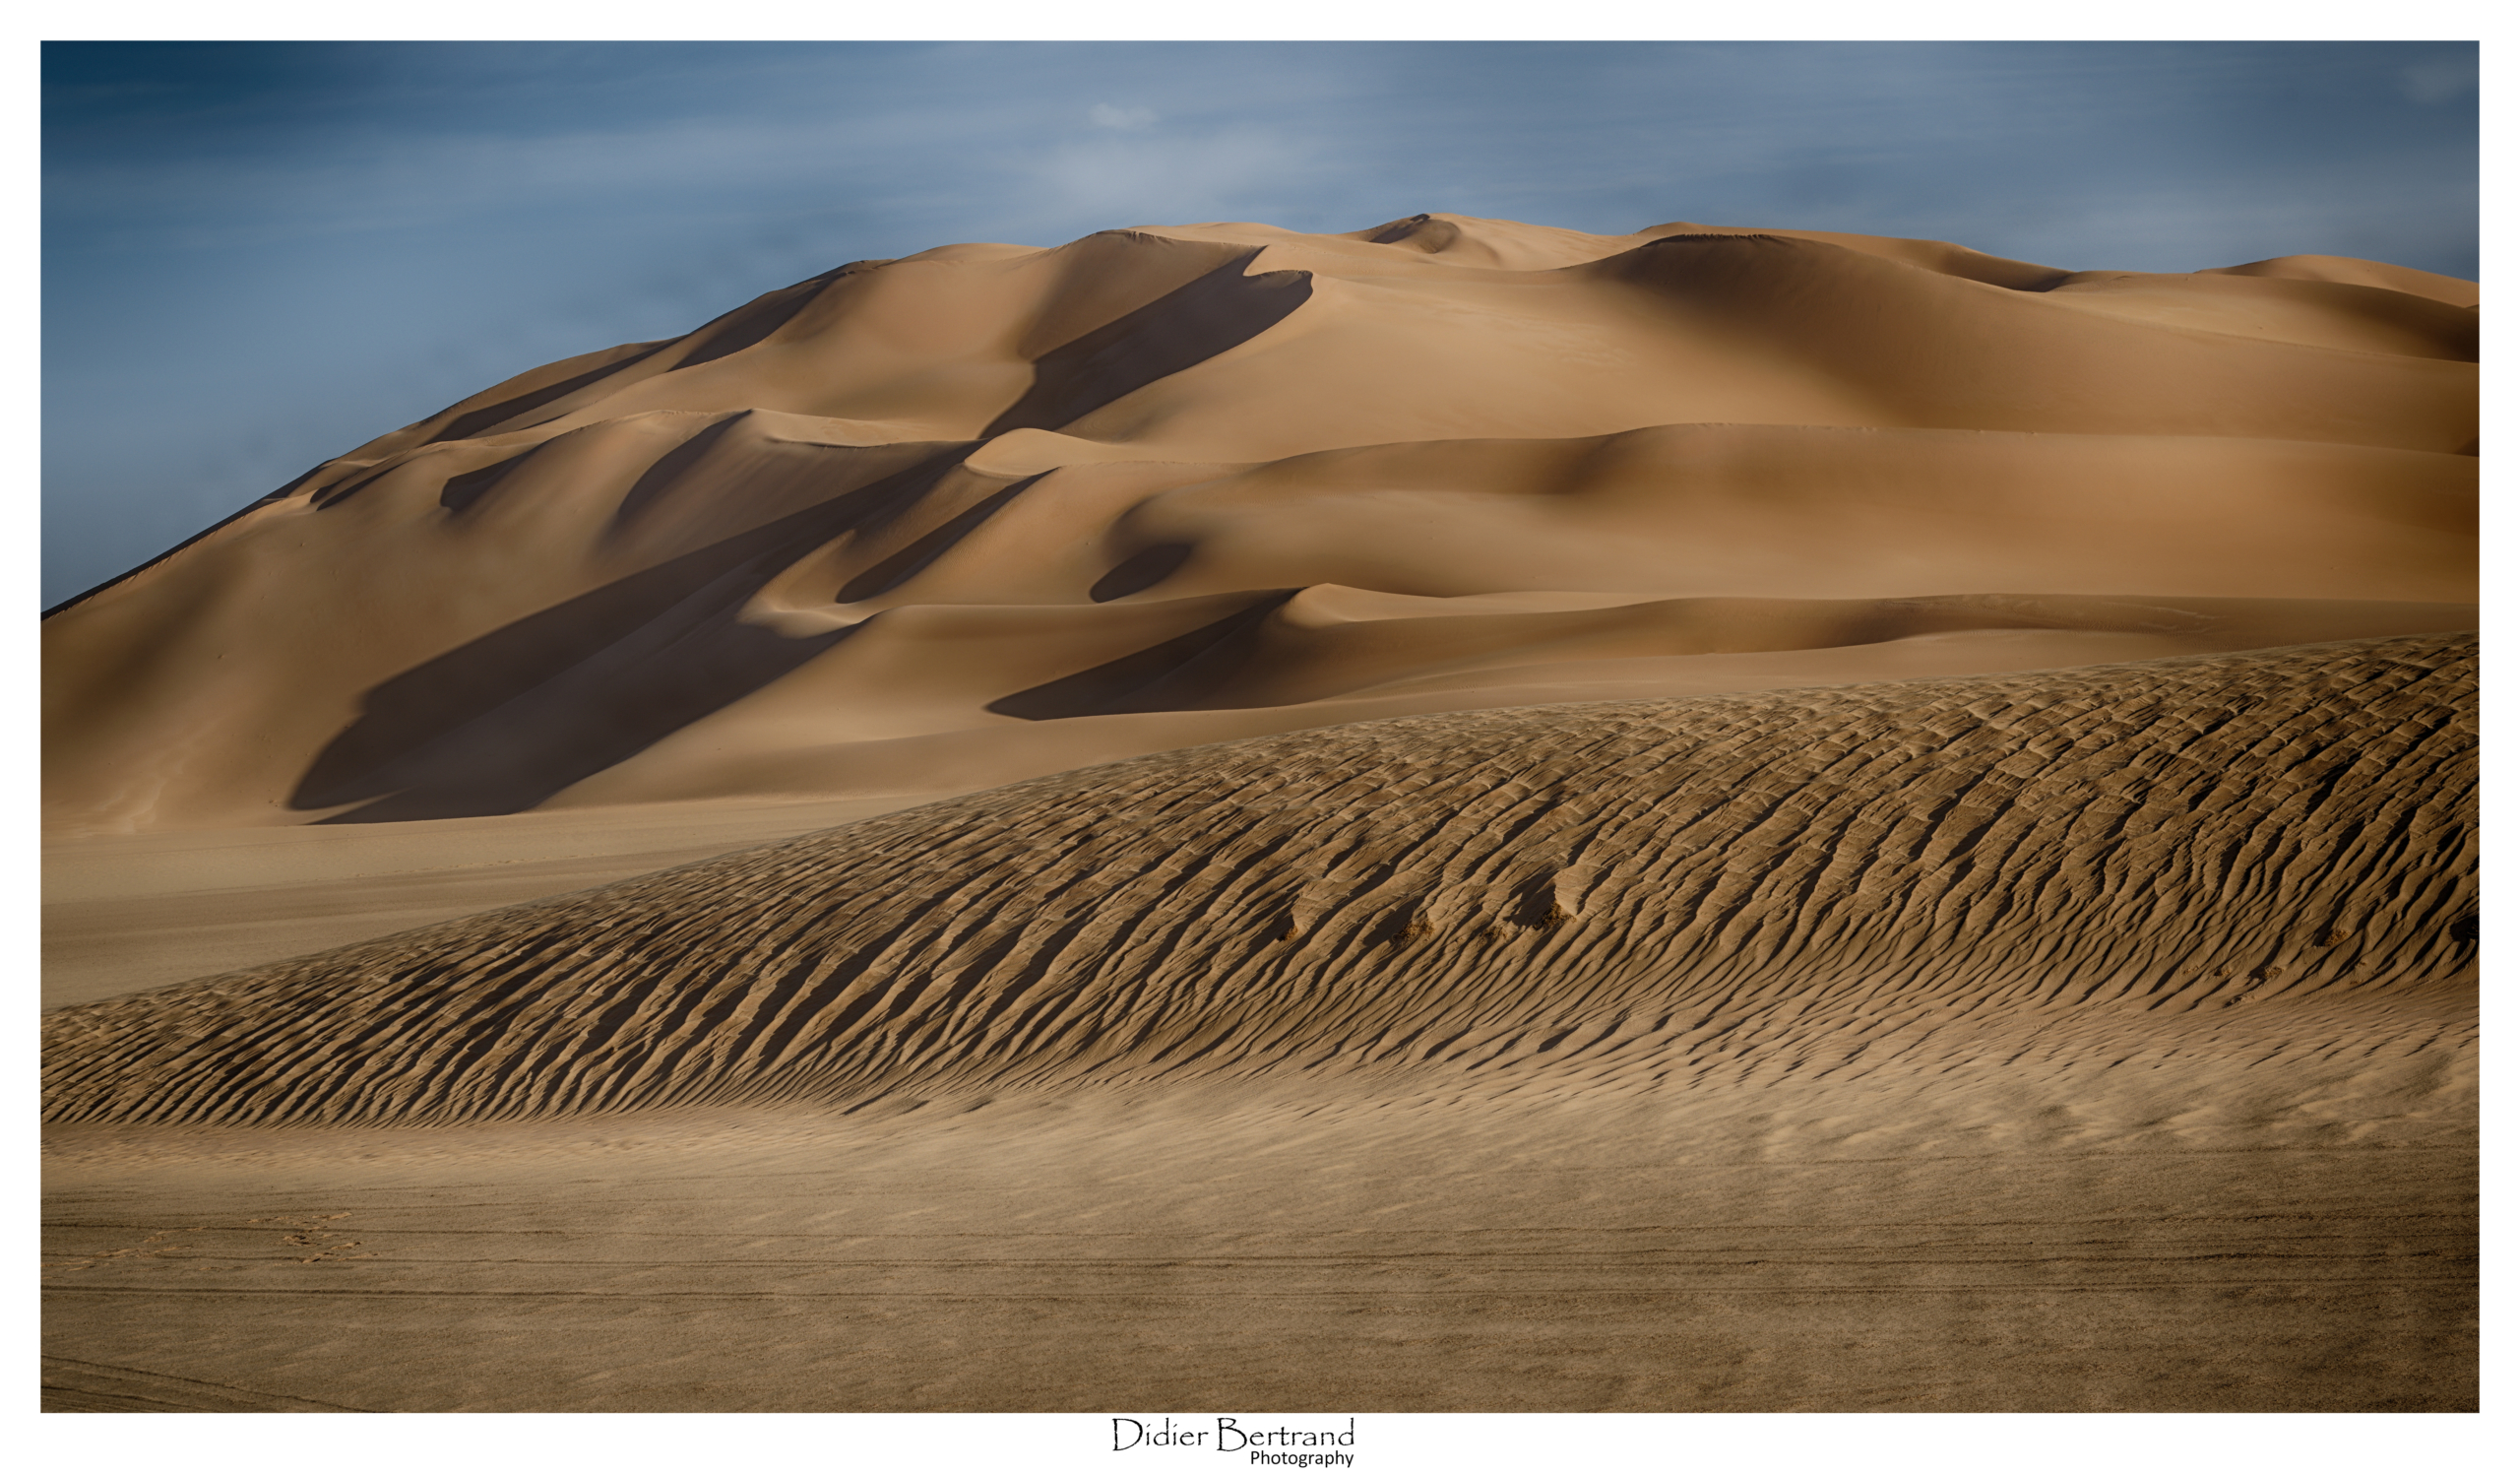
column 258, row 255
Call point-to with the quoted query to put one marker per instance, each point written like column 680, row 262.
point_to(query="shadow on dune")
column 1187, row 325
column 466, row 425
column 739, row 330
column 905, row 565
column 1140, row 571
column 460, row 492
column 1424, row 232
column 1176, row 676
column 505, row 722
column 668, row 469
column 512, row 718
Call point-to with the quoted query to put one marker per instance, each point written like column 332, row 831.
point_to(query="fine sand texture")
column 1461, row 815
column 2096, row 1040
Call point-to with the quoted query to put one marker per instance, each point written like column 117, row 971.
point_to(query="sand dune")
column 127, row 912
column 1457, row 816
column 1617, row 897
column 940, row 499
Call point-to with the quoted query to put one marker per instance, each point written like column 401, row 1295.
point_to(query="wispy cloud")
column 1234, row 174
column 1105, row 115
column 2439, row 78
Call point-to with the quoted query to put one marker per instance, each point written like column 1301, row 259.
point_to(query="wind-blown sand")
column 1694, row 820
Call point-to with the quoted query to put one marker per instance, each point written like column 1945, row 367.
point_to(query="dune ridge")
column 1620, row 896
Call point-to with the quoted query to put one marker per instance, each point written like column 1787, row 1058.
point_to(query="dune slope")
column 1628, row 896
column 991, row 512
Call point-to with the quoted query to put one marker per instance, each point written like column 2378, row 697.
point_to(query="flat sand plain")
column 1459, row 816
column 1284, row 1249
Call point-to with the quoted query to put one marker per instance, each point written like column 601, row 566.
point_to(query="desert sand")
column 1461, row 815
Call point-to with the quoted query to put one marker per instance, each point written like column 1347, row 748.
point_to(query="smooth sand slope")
column 1458, row 816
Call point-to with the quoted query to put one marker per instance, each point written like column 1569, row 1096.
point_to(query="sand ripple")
column 1620, row 896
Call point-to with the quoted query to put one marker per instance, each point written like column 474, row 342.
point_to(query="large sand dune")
column 1458, row 816
column 988, row 513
